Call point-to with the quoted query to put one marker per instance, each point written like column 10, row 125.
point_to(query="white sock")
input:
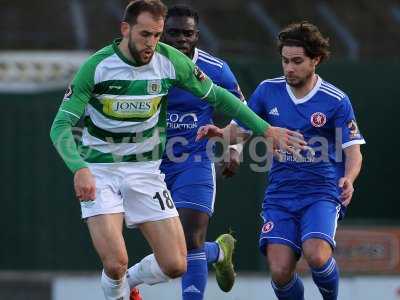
column 146, row 271
column 221, row 254
column 115, row 289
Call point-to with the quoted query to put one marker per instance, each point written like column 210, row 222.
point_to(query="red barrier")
column 366, row 250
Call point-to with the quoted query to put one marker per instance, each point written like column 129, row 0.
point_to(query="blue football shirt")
column 186, row 113
column 326, row 119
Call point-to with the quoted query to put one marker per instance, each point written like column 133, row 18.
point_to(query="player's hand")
column 231, row 164
column 85, row 185
column 209, row 131
column 285, row 139
column 347, row 190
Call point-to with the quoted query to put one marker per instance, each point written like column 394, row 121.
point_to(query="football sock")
column 195, row 279
column 294, row 290
column 213, row 252
column 327, row 279
column 146, row 271
column 114, row 289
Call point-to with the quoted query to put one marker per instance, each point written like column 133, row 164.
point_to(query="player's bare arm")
column 352, row 169
column 231, row 133
column 280, row 138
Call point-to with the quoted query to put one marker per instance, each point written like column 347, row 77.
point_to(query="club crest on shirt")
column 318, row 119
column 68, row 93
column 267, row 227
column 153, row 87
column 353, row 129
column 199, row 74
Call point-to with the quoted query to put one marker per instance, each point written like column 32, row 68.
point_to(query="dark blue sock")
column 327, row 279
column 212, row 251
column 195, row 279
column 294, row 290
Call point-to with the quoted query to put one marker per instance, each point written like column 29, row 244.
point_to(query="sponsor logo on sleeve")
column 199, row 74
column 68, row 93
column 354, row 132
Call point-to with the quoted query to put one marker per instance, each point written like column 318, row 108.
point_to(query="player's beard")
column 300, row 82
column 135, row 53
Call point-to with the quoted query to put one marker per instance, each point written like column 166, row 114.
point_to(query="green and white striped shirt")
column 124, row 106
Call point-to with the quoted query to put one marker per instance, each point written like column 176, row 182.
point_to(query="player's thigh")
column 167, row 241
column 319, row 221
column 106, row 233
column 105, row 217
column 280, row 227
column 281, row 260
column 195, row 224
column 193, row 192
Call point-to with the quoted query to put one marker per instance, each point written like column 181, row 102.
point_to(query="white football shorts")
column 136, row 189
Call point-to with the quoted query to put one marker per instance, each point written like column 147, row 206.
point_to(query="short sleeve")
column 189, row 76
column 229, row 82
column 345, row 120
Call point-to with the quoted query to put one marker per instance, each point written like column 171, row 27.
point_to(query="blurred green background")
column 41, row 218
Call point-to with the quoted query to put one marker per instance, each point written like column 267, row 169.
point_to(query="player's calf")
column 146, row 271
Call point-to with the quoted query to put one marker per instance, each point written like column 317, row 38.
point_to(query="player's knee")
column 175, row 267
column 194, row 241
column 116, row 267
column 194, row 236
column 281, row 274
column 317, row 253
column 317, row 260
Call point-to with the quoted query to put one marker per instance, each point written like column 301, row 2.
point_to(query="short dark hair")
column 136, row 7
column 183, row 11
column 306, row 35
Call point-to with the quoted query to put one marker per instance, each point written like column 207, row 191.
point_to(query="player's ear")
column 316, row 60
column 125, row 29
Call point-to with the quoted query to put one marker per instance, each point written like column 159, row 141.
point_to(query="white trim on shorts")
column 214, row 186
column 281, row 238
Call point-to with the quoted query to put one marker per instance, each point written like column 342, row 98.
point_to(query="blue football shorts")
column 291, row 228
column 193, row 186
